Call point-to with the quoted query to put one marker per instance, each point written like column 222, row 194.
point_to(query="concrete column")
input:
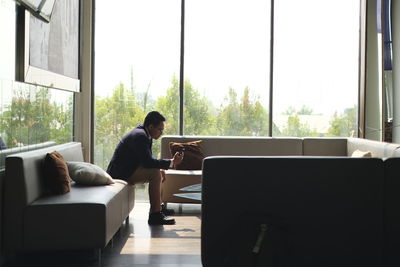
column 373, row 94
column 396, row 69
column 83, row 100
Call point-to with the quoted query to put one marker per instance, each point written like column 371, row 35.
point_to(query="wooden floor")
column 136, row 244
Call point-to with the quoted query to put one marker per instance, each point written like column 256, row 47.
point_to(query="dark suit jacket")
column 132, row 151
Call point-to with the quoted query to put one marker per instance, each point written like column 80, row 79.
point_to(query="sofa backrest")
column 325, row 146
column 23, row 185
column 5, row 152
column 377, row 149
column 283, row 146
column 238, row 146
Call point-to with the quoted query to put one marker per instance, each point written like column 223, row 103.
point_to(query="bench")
column 85, row 218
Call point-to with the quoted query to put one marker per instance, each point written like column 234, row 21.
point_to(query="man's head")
column 155, row 124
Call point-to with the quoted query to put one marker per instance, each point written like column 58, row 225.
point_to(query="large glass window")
column 226, row 67
column 316, row 67
column 137, row 70
column 33, row 117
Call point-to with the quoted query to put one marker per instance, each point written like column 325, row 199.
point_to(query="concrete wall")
column 373, row 93
column 83, row 103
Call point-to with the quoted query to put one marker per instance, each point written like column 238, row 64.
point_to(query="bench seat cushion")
column 61, row 220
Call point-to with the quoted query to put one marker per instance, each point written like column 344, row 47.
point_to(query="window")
column 136, row 71
column 316, row 68
column 226, row 67
column 33, row 117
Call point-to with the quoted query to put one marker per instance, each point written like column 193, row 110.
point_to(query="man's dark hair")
column 153, row 118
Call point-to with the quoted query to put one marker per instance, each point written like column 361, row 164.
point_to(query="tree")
column 145, row 100
column 247, row 117
column 304, row 110
column 290, row 111
column 344, row 124
column 197, row 110
column 32, row 118
column 115, row 116
column 295, row 128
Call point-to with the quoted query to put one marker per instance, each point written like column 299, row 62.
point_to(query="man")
column 133, row 162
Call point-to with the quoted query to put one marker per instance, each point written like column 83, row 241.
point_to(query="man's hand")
column 177, row 159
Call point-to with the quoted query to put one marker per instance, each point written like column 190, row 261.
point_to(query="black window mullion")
column 271, row 70
column 181, row 74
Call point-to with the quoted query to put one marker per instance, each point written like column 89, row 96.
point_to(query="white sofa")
column 264, row 146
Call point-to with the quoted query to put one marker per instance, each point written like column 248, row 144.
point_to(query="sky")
column 227, row 45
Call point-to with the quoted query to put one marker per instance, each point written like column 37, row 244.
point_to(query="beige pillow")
column 361, row 154
column 88, row 174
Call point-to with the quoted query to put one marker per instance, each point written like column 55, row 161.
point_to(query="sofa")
column 85, row 218
column 263, row 146
column 320, row 207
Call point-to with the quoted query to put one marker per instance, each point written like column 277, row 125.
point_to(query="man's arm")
column 148, row 161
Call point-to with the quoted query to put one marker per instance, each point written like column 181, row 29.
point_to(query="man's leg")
column 164, row 209
column 155, row 192
column 153, row 177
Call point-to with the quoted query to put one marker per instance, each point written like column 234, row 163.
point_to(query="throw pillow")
column 56, row 175
column 193, row 154
column 88, row 174
column 361, row 154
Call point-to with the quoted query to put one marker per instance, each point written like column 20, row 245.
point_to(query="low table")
column 192, row 188
column 195, row 192
column 195, row 196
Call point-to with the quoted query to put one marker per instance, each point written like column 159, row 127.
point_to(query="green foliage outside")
column 114, row 117
column 236, row 116
column 344, row 124
column 197, row 113
column 33, row 118
column 294, row 126
column 246, row 117
column 304, row 110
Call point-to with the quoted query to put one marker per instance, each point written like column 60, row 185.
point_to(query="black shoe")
column 158, row 218
column 167, row 212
